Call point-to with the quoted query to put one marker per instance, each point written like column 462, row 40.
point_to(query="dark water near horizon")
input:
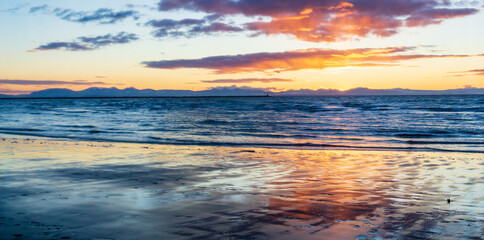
column 437, row 123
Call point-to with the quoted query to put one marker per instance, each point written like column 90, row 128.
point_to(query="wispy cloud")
column 15, row 9
column 69, row 46
column 328, row 20
column 49, row 82
column 298, row 60
column 109, row 39
column 39, row 8
column 102, row 15
column 473, row 72
column 248, row 80
column 89, row 43
column 476, row 71
column 141, row 6
column 191, row 27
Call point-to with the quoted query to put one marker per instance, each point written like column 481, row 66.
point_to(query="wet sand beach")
column 54, row 189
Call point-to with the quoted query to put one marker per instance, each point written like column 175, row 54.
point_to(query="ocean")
column 427, row 123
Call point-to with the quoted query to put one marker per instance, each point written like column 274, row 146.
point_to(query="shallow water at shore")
column 85, row 190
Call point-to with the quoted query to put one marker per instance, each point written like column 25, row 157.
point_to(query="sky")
column 268, row 44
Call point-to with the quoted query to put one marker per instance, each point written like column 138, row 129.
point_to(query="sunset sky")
column 273, row 44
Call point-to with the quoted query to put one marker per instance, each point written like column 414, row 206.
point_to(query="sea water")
column 435, row 123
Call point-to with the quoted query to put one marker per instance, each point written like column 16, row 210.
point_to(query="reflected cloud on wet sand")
column 123, row 191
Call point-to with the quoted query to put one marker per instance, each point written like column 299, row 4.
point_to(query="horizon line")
column 233, row 87
column 233, row 91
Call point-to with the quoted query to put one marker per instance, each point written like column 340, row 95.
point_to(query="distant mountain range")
column 233, row 91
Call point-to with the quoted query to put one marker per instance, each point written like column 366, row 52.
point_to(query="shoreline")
column 87, row 190
column 289, row 146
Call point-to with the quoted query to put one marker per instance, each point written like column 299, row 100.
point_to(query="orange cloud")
column 298, row 60
column 328, row 20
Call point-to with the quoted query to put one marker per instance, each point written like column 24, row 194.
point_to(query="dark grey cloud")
column 173, row 24
column 190, row 27
column 69, row 46
column 89, row 43
column 436, row 16
column 174, row 28
column 49, row 82
column 102, row 15
column 248, row 80
column 38, row 8
column 109, row 39
column 215, row 27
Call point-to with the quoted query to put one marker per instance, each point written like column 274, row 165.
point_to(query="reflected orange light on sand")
column 174, row 191
column 330, row 187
